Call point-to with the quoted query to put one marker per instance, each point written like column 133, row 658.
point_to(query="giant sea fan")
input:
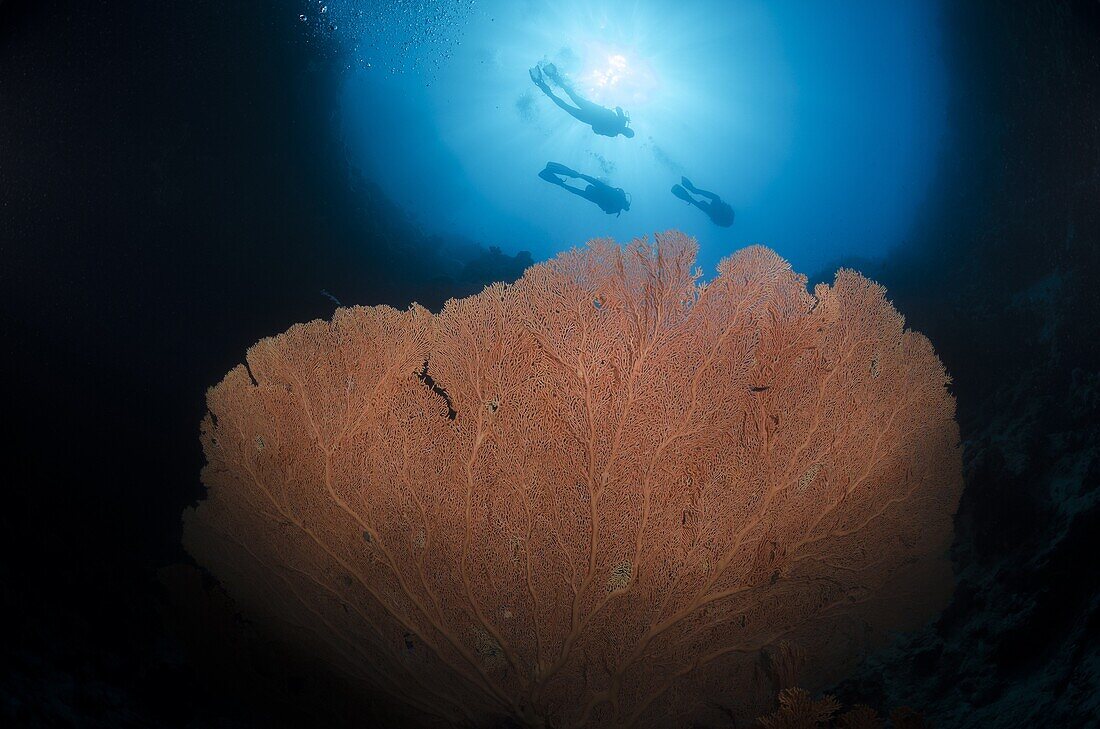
column 595, row 497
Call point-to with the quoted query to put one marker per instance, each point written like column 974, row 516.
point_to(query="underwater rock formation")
column 604, row 495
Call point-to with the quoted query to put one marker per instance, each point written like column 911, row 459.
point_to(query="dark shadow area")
column 170, row 192
column 1002, row 276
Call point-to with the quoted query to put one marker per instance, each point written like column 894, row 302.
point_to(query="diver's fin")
column 560, row 169
column 681, row 193
column 687, row 183
column 552, row 71
column 550, row 177
column 536, row 75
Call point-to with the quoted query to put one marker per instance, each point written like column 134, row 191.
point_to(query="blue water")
column 821, row 123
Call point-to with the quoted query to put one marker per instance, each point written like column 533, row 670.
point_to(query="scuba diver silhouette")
column 612, row 200
column 720, row 212
column 603, row 121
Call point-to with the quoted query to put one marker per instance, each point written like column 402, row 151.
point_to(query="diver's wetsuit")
column 720, row 212
column 603, row 121
column 612, row 200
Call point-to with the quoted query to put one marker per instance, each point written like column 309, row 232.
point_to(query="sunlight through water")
column 820, row 125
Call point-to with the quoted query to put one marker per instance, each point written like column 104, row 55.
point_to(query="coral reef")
column 798, row 710
column 606, row 495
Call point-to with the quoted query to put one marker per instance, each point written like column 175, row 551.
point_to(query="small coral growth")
column 797, row 710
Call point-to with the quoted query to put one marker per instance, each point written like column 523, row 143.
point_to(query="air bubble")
column 408, row 36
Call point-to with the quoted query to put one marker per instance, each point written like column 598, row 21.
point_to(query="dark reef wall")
column 1002, row 276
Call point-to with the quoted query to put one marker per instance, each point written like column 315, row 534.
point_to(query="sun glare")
column 614, row 77
column 614, row 72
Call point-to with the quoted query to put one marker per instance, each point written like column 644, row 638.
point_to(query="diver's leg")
column 584, row 105
column 686, row 197
column 575, row 113
column 545, row 88
column 574, row 190
column 549, row 176
column 688, row 184
column 591, row 195
column 681, row 193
